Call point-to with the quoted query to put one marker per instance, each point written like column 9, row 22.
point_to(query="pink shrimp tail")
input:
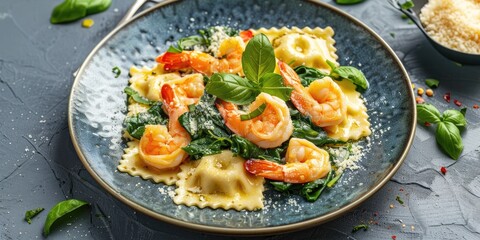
column 265, row 168
column 290, row 77
column 168, row 96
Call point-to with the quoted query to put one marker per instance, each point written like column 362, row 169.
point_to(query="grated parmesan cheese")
column 453, row 23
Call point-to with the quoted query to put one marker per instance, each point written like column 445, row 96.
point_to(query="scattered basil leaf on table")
column 137, row 97
column 448, row 137
column 116, row 71
column 432, row 83
column 61, row 209
column 348, row 2
column 428, row 113
column 448, row 129
column 359, row 227
column 399, row 200
column 32, row 213
column 407, row 5
column 71, row 10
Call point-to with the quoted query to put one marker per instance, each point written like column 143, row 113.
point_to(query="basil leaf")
column 350, row 73
column 348, row 2
column 258, row 58
column 407, row 5
column 71, row 10
column 308, row 75
column 68, row 11
column 272, row 84
column 463, row 111
column 32, row 213
column 204, row 120
column 358, row 227
column 232, row 88
column 255, row 113
column 455, row 117
column 449, row 139
column 428, row 113
column 135, row 125
column 96, row 6
column 59, row 210
column 432, row 83
column 137, row 97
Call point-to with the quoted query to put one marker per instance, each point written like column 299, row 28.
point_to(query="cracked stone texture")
column 39, row 166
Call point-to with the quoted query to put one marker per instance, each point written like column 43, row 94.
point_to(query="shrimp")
column 268, row 130
column 323, row 101
column 230, row 60
column 162, row 148
column 305, row 162
column 189, row 89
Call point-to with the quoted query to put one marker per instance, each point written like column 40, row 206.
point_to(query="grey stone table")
column 39, row 166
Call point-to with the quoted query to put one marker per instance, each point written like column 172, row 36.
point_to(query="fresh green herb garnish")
column 59, row 210
column 117, row 71
column 334, row 180
column 71, row 10
column 201, row 40
column 312, row 190
column 137, row 97
column 432, row 83
column 258, row 62
column 32, row 213
column 448, row 127
column 407, row 5
column 347, row 72
column 348, row 2
column 254, row 113
column 358, row 227
column 392, row 35
column 135, row 125
column 308, row 75
column 399, row 200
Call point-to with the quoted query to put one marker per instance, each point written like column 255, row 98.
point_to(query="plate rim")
column 243, row 231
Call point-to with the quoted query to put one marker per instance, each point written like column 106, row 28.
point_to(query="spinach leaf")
column 308, row 75
column 59, row 210
column 272, row 84
column 206, row 146
column 204, row 119
column 32, row 213
column 135, row 125
column 312, row 190
column 334, row 180
column 203, row 39
column 71, row 10
column 232, row 88
column 428, row 113
column 350, row 73
column 449, row 139
column 281, row 186
column 305, row 129
column 137, row 97
column 258, row 58
column 246, row 149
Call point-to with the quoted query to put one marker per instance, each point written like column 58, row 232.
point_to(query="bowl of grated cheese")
column 451, row 26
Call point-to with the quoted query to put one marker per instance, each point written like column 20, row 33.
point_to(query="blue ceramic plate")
column 98, row 105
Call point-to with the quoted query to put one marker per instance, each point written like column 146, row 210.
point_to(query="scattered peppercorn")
column 420, row 91
column 394, row 237
column 446, row 96
column 475, row 106
column 419, row 100
column 427, row 124
column 458, row 103
column 429, row 92
column 443, row 170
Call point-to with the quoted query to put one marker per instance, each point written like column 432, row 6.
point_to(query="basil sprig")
column 62, row 208
column 258, row 62
column 448, row 129
column 71, row 10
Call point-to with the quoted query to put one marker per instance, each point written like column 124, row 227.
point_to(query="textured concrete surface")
column 39, row 167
